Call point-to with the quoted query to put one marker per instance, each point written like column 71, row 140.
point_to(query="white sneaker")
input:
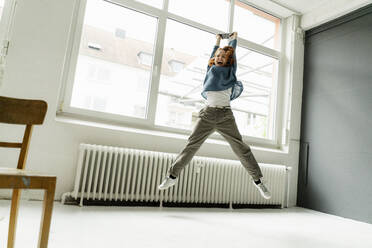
column 167, row 183
column 264, row 191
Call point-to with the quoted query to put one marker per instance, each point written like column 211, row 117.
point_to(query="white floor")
column 146, row 227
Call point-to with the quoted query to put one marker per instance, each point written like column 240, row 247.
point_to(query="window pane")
column 254, row 109
column 115, row 58
column 183, row 70
column 257, row 26
column 213, row 13
column 154, row 3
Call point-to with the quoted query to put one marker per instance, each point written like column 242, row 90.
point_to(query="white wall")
column 34, row 69
column 330, row 10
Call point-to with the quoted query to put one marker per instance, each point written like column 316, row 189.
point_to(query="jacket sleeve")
column 233, row 44
column 214, row 50
column 212, row 55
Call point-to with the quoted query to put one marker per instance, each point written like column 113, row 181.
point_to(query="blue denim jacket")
column 222, row 78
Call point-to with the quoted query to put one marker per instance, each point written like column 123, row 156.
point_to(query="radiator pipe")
column 64, row 195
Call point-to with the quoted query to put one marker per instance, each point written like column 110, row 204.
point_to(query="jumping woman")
column 219, row 88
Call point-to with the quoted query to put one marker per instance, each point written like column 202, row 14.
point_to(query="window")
column 253, row 110
column 176, row 66
column 117, row 73
column 154, row 3
column 213, row 13
column 145, row 58
column 112, row 61
column 94, row 46
column 179, row 91
column 257, row 26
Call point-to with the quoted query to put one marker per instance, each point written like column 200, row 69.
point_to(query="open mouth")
column 219, row 63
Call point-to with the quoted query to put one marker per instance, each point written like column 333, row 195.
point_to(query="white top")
column 218, row 98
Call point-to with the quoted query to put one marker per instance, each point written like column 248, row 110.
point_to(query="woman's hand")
column 218, row 39
column 234, row 35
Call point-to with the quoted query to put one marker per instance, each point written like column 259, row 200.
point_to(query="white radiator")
column 120, row 174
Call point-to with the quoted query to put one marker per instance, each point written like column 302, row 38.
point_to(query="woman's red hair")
column 229, row 50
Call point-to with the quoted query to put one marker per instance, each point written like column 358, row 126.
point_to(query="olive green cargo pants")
column 220, row 119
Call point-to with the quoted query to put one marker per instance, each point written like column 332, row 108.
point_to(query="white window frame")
column 163, row 15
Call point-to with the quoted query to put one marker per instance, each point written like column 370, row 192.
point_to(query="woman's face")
column 220, row 58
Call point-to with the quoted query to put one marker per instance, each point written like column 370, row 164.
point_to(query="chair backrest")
column 22, row 111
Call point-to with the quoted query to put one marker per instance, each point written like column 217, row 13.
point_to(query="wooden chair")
column 29, row 113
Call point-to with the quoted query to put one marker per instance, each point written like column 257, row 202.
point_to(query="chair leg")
column 46, row 216
column 13, row 217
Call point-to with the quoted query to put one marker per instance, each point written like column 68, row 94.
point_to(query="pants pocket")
column 202, row 113
column 229, row 115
